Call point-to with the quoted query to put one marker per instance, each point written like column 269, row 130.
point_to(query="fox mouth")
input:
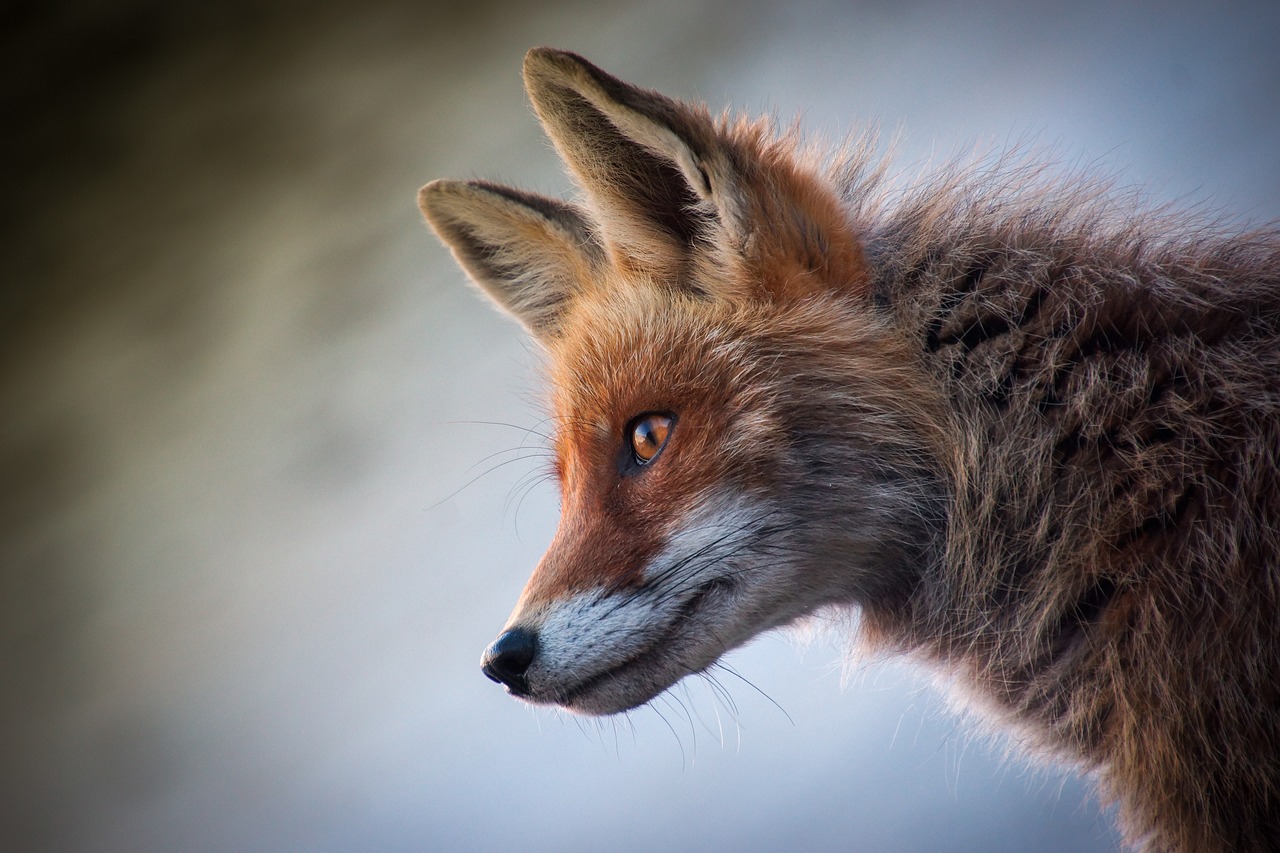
column 653, row 668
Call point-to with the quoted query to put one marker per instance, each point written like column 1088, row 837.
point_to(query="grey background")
column 252, row 537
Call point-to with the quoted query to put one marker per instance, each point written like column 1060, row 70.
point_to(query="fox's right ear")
column 672, row 191
column 528, row 252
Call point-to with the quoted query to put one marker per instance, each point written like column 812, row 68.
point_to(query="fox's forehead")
column 645, row 347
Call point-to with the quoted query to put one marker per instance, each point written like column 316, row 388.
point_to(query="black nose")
column 509, row 657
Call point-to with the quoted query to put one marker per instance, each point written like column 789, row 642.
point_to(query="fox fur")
column 1029, row 430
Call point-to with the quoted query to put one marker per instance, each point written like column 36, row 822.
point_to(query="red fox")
column 1031, row 433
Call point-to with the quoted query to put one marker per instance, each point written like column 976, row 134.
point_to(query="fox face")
column 739, row 439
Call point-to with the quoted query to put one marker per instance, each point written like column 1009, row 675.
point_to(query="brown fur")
column 1031, row 431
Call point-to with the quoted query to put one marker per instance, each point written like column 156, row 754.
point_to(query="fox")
column 1026, row 427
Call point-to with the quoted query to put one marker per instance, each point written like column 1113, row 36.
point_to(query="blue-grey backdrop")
column 255, row 525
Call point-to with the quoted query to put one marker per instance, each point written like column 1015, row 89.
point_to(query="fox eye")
column 648, row 434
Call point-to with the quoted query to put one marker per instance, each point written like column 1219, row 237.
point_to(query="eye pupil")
column 648, row 434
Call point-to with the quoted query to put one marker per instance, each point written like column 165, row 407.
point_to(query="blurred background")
column 259, row 515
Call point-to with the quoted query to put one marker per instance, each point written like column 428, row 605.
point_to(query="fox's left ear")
column 671, row 188
column 529, row 253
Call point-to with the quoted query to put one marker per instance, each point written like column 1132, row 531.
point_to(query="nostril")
column 510, row 655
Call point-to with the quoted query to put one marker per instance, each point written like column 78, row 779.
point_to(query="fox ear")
column 643, row 158
column 527, row 252
column 665, row 180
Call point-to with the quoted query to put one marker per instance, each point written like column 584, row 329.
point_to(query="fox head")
column 741, row 437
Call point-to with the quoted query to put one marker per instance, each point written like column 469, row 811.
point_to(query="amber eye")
column 648, row 434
